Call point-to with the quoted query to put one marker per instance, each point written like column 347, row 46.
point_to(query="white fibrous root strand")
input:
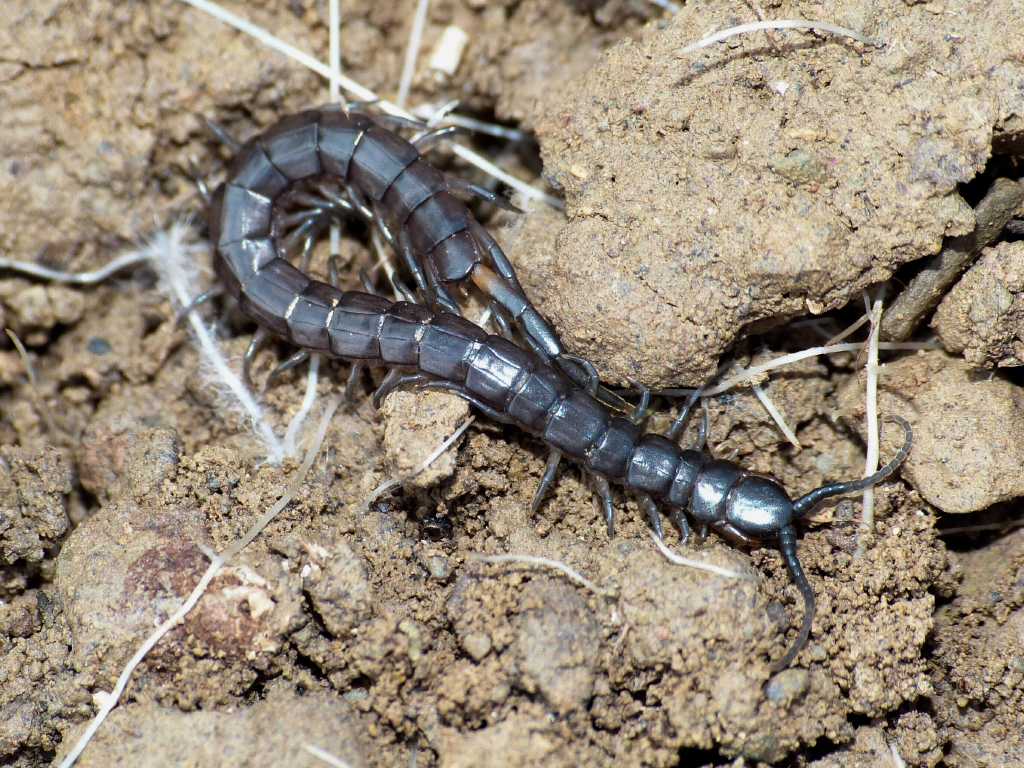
column 172, row 257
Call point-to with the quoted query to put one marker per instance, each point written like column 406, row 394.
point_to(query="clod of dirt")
column 38, row 690
column 415, row 424
column 131, row 564
column 521, row 741
column 982, row 317
column 555, row 645
column 34, row 486
column 122, row 432
column 33, row 310
column 709, row 191
column 979, row 659
column 967, row 451
column 272, row 732
column 338, row 587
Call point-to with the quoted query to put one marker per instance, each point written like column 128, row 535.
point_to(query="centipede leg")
column 604, row 492
column 593, row 378
column 461, row 391
column 495, row 255
column 296, row 359
column 461, row 186
column 639, row 414
column 359, row 202
column 679, row 424
column 550, row 470
column 352, row 382
column 397, row 379
column 678, row 517
column 202, row 298
column 424, row 142
column 222, row 135
column 257, row 340
column 504, row 326
column 409, row 259
column 653, row 515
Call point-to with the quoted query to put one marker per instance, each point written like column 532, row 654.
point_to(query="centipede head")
column 759, row 508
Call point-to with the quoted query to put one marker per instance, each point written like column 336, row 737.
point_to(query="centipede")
column 430, row 346
column 335, row 162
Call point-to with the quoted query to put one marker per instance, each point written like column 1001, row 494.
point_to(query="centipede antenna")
column 804, row 504
column 787, row 546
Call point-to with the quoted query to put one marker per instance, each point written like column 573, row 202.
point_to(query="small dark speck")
column 98, row 346
column 15, row 168
column 105, row 147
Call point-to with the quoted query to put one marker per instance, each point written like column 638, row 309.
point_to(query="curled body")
column 429, row 348
column 387, row 181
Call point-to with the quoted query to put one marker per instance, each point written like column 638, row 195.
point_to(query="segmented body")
column 384, row 177
column 429, row 348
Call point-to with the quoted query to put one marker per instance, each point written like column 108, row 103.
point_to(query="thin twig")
column 672, row 557
column 33, row 382
column 544, row 562
column 757, row 26
column 412, row 51
column 775, row 413
column 217, row 562
column 75, row 278
column 794, row 357
column 387, row 485
column 867, row 524
column 363, row 93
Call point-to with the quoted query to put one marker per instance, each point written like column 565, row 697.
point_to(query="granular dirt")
column 710, row 199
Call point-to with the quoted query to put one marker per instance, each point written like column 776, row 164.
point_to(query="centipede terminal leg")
column 550, row 470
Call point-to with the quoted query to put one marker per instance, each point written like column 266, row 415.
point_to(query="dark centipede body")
column 386, row 180
column 433, row 349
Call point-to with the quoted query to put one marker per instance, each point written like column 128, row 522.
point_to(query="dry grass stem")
column 325, row 756
column 412, row 52
column 759, row 26
column 363, row 93
column 394, row 482
column 544, row 562
column 871, row 417
column 775, row 413
column 672, row 557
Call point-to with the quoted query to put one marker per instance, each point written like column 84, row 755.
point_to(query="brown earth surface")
column 722, row 208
